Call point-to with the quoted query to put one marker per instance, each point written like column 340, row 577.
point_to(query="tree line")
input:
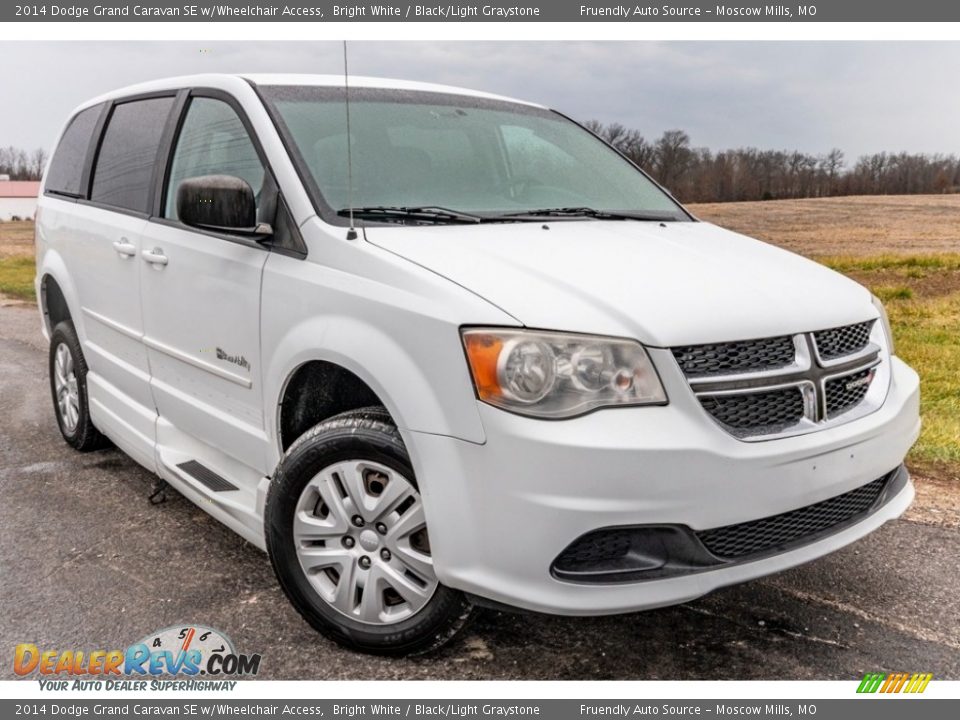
column 696, row 174
column 22, row 165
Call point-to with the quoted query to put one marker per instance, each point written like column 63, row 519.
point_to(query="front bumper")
column 501, row 512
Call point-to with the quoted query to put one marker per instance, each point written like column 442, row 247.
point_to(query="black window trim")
column 162, row 165
column 163, row 169
column 92, row 144
column 94, row 156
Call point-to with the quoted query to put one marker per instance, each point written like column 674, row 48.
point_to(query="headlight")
column 885, row 321
column 559, row 375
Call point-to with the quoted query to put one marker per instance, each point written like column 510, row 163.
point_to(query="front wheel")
column 348, row 539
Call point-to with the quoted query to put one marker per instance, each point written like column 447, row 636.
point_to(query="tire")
column 68, row 387
column 365, row 583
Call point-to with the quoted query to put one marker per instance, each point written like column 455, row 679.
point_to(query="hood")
column 664, row 284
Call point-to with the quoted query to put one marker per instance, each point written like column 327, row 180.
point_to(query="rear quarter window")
column 66, row 167
column 128, row 153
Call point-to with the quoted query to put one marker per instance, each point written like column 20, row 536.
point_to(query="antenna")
column 352, row 232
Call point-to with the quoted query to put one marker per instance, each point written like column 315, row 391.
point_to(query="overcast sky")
column 811, row 96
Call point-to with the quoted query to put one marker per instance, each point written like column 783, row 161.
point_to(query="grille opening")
column 750, row 413
column 778, row 531
column 735, row 357
column 847, row 340
column 607, row 548
column 845, row 393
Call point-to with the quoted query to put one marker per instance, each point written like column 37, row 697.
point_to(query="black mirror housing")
column 217, row 202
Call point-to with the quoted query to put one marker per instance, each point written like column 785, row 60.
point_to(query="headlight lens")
column 885, row 321
column 559, row 375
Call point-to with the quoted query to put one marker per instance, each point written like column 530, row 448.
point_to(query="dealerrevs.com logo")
column 190, row 652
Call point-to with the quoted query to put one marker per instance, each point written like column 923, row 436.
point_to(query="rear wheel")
column 348, row 539
column 68, row 385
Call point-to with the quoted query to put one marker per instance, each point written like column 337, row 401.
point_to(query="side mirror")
column 219, row 202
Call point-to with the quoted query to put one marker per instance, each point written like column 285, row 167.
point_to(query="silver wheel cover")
column 361, row 539
column 65, row 385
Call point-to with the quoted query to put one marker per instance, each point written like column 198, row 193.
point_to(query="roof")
column 371, row 82
column 231, row 82
column 19, row 189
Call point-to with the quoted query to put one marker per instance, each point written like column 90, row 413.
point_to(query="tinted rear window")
column 128, row 153
column 66, row 168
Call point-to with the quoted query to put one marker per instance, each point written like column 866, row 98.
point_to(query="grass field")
column 16, row 238
column 16, row 260
column 906, row 249
column 869, row 225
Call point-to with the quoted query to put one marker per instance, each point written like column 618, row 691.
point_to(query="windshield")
column 460, row 153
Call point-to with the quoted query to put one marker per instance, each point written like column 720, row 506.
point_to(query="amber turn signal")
column 483, row 352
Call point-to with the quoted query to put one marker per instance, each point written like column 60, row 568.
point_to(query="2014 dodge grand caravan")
column 462, row 353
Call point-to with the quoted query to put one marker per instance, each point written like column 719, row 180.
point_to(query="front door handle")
column 154, row 257
column 124, row 247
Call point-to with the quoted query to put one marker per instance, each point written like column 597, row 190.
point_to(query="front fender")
column 431, row 393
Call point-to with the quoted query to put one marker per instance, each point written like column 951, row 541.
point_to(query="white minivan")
column 433, row 349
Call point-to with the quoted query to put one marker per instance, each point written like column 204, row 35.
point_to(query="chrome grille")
column 847, row 340
column 777, row 532
column 746, row 413
column 785, row 385
column 735, row 357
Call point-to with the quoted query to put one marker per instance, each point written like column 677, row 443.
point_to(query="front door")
column 201, row 304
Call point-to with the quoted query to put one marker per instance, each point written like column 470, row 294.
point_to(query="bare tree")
column 38, row 161
column 671, row 157
column 700, row 175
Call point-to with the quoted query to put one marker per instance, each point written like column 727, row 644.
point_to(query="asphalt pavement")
column 87, row 562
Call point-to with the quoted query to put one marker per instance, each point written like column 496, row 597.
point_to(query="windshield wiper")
column 415, row 214
column 593, row 213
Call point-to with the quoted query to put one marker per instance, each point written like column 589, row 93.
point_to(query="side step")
column 206, row 476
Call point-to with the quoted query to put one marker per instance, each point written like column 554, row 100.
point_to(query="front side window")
column 66, row 167
column 213, row 141
column 128, row 154
column 429, row 150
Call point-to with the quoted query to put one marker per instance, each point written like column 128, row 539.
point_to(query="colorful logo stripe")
column 894, row 682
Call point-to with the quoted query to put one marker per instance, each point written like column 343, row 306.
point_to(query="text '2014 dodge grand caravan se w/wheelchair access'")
column 528, row 377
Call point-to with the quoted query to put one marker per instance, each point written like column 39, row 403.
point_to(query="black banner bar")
column 494, row 11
